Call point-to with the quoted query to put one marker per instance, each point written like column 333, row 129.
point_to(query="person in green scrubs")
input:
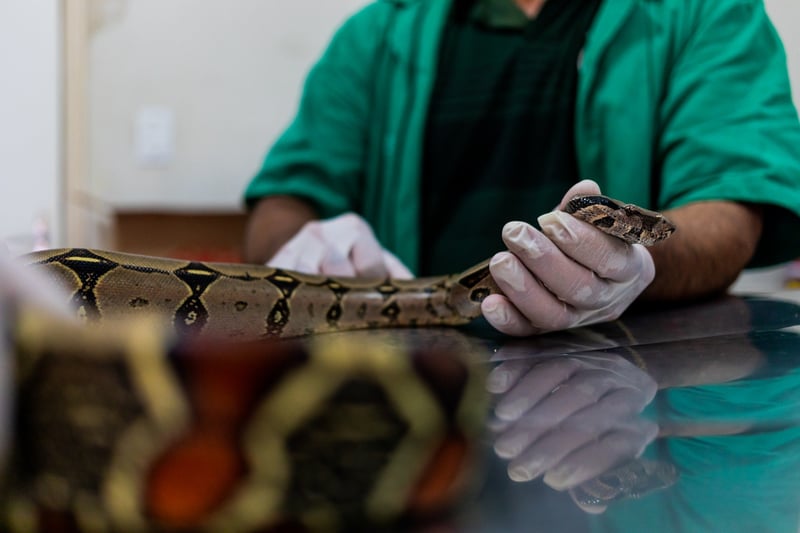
column 431, row 133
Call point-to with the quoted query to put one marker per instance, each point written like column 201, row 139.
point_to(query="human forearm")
column 272, row 222
column 714, row 242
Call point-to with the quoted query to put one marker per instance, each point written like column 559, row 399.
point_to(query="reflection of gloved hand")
column 570, row 418
column 569, row 274
column 339, row 246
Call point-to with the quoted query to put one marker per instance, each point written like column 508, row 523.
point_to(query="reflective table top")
column 674, row 419
column 683, row 419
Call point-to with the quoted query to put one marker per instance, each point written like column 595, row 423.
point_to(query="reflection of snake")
column 119, row 430
column 634, row 479
column 248, row 301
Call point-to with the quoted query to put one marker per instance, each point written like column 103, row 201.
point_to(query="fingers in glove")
column 551, row 411
column 526, row 306
column 621, row 403
column 366, row 254
column 508, row 373
column 505, row 318
column 304, row 252
column 581, row 398
column 351, row 248
column 575, row 261
column 615, row 447
column 607, row 256
column 343, row 246
column 532, row 387
column 572, row 454
column 582, row 188
column 551, row 447
column 513, row 441
column 626, row 371
column 356, row 244
column 547, row 452
column 395, row 267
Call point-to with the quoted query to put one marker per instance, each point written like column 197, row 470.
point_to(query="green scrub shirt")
column 678, row 101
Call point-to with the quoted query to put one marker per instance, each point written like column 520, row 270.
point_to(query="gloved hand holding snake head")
column 566, row 275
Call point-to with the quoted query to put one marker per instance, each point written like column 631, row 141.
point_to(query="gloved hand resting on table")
column 341, row 246
column 566, row 275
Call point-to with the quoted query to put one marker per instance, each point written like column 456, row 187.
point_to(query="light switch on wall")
column 154, row 136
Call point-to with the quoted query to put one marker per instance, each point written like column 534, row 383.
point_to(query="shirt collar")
column 499, row 14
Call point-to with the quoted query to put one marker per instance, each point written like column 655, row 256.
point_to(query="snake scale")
column 183, row 412
column 247, row 301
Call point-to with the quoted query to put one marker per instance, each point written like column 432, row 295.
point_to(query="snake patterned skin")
column 128, row 428
column 634, row 479
column 174, row 404
column 253, row 301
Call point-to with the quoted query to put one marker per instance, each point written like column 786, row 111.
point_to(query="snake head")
column 660, row 230
column 631, row 223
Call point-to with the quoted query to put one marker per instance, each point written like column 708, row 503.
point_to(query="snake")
column 254, row 301
column 194, row 396
column 632, row 480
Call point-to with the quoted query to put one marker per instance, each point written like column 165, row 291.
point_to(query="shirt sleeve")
column 729, row 129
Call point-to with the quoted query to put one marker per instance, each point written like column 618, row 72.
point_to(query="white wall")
column 785, row 16
column 228, row 71
column 30, row 119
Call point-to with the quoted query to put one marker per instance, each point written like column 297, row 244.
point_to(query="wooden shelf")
column 196, row 236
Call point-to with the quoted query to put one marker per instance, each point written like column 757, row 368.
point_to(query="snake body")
column 222, row 428
column 249, row 301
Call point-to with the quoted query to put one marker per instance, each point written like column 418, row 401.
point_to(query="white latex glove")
column 340, row 246
column 569, row 274
column 570, row 419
